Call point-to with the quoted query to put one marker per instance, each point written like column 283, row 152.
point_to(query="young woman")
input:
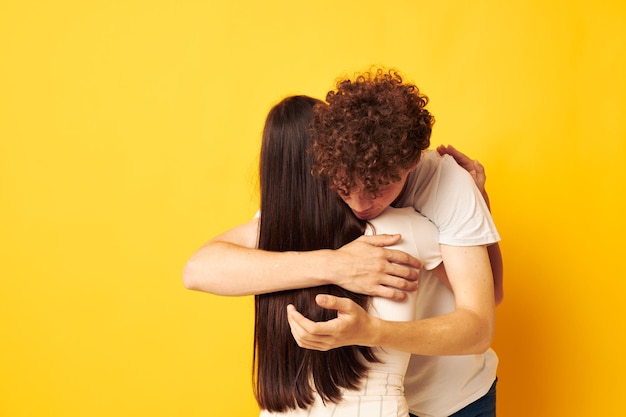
column 299, row 212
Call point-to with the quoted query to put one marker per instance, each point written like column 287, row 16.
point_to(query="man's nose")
column 359, row 203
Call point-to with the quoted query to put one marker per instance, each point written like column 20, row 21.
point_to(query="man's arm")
column 477, row 171
column 467, row 330
column 229, row 264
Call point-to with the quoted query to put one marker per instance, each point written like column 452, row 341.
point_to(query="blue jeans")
column 482, row 407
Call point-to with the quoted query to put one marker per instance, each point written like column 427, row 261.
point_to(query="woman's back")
column 420, row 238
column 381, row 391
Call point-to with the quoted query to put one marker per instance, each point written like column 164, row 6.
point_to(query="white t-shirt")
column 446, row 193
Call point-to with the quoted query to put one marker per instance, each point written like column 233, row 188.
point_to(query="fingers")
column 381, row 240
column 327, row 334
column 472, row 166
column 481, row 177
column 390, row 293
column 394, row 288
column 462, row 159
column 399, row 257
column 307, row 334
column 391, row 255
column 331, row 302
column 297, row 321
column 376, row 270
column 401, row 278
column 479, row 167
column 442, row 149
column 400, row 274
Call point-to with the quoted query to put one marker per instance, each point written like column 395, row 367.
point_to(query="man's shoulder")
column 419, row 181
column 427, row 169
column 433, row 168
column 429, row 160
column 433, row 176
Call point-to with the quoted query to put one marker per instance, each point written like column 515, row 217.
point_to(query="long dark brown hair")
column 299, row 213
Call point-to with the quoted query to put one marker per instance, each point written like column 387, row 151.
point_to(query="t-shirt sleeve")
column 455, row 205
column 426, row 238
column 420, row 237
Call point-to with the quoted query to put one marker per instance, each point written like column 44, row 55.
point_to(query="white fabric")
column 446, row 193
column 382, row 396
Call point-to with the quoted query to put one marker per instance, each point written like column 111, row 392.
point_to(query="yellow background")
column 129, row 135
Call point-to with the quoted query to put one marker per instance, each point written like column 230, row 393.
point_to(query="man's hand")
column 475, row 168
column 353, row 325
column 365, row 266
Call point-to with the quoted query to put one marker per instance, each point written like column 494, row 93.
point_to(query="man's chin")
column 367, row 215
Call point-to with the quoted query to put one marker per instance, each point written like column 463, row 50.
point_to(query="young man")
column 370, row 143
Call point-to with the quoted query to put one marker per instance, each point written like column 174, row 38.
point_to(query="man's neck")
column 399, row 197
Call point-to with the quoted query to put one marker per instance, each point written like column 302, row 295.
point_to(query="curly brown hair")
column 373, row 128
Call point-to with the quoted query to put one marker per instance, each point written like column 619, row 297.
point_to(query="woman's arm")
column 229, row 264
